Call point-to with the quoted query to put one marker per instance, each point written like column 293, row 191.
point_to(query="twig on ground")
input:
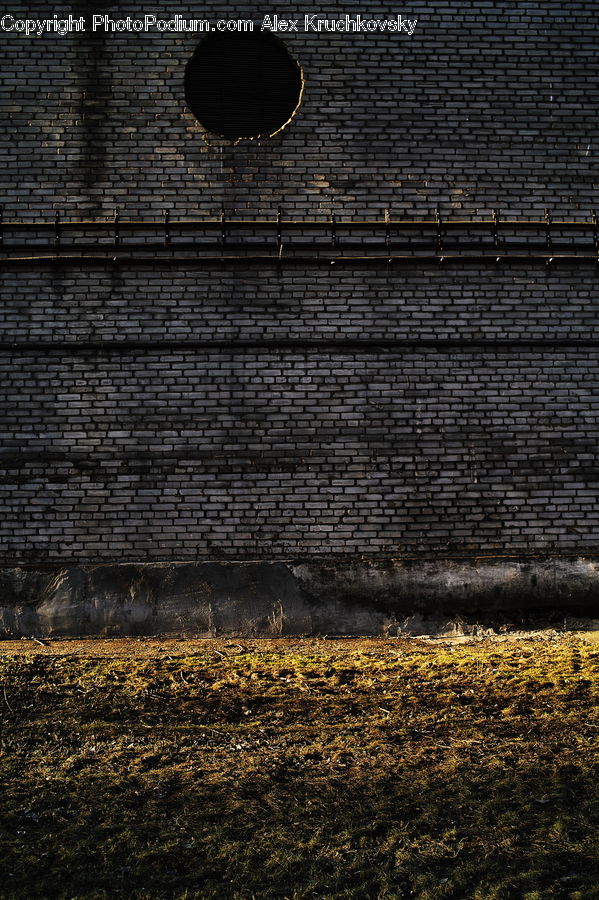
column 6, row 700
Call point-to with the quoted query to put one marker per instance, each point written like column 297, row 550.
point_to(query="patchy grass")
column 300, row 769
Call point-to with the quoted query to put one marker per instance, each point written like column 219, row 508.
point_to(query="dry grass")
column 300, row 769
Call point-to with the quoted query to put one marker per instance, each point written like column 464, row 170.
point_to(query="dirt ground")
column 451, row 766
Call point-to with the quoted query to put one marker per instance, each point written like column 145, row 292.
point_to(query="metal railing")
column 331, row 240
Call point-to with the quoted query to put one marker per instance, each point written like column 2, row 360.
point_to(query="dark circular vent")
column 242, row 85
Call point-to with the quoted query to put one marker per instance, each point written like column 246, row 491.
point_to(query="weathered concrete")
column 268, row 599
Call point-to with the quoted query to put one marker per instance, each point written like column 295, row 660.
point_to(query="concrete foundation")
column 355, row 597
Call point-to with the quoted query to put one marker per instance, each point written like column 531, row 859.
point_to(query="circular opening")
column 242, row 85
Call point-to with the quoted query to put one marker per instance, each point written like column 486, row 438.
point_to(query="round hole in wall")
column 243, row 85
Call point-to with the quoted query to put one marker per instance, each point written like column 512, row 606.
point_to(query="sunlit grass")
column 300, row 769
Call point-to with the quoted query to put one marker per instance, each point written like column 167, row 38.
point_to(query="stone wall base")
column 269, row 599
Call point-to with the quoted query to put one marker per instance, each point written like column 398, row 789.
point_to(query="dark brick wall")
column 237, row 454
column 516, row 302
column 143, row 451
column 486, row 105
